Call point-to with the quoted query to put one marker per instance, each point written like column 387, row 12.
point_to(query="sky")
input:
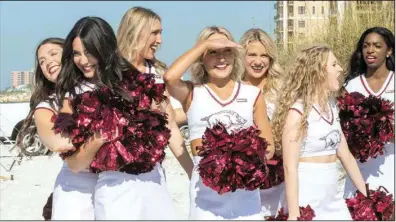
column 23, row 25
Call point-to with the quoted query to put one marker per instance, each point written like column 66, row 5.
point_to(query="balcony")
column 290, row 3
column 290, row 28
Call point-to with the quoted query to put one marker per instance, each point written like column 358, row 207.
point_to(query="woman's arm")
column 350, row 165
column 291, row 144
column 83, row 157
column 176, row 142
column 54, row 142
column 178, row 88
column 261, row 120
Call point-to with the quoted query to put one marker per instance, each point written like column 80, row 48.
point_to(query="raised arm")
column 178, row 88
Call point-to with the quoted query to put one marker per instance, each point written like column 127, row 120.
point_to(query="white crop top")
column 207, row 109
column 323, row 135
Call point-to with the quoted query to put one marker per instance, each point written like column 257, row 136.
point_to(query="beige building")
column 299, row 19
column 21, row 78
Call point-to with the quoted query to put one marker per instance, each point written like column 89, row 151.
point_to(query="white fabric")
column 318, row 187
column 123, row 196
column 73, row 195
column 270, row 109
column 74, row 192
column 324, row 141
column 207, row 109
column 46, row 105
column 207, row 204
column 270, row 199
column 380, row 171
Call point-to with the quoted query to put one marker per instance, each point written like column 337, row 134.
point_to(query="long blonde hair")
column 307, row 82
column 134, row 28
column 198, row 72
column 274, row 73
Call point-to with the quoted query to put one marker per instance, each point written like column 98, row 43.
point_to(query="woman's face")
column 49, row 58
column 218, row 63
column 83, row 59
column 257, row 60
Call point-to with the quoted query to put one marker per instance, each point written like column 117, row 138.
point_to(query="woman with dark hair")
column 91, row 59
column 371, row 72
column 70, row 189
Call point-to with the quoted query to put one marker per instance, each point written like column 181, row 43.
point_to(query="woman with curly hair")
column 307, row 132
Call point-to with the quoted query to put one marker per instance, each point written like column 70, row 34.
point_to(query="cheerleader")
column 308, row 131
column 263, row 71
column 217, row 95
column 91, row 57
column 72, row 198
column 139, row 36
column 371, row 72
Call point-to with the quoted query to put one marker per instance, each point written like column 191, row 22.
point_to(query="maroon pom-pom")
column 141, row 134
column 306, row 214
column 367, row 123
column 379, row 205
column 276, row 173
column 232, row 160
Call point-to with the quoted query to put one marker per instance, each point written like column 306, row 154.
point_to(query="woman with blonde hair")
column 307, row 129
column 139, row 37
column 217, row 92
column 263, row 71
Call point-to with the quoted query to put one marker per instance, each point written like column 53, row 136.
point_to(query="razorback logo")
column 230, row 119
column 332, row 139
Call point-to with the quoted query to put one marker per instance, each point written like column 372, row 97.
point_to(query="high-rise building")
column 299, row 19
column 21, row 78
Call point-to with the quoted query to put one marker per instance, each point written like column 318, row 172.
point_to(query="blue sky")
column 24, row 24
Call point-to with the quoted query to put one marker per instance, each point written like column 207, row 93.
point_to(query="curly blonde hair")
column 274, row 73
column 134, row 29
column 307, row 82
column 198, row 72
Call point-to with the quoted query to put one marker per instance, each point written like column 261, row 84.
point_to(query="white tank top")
column 270, row 109
column 323, row 135
column 207, row 109
column 46, row 105
column 387, row 91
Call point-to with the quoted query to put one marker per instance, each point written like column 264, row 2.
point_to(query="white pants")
column 270, row 200
column 73, row 195
column 207, row 204
column 376, row 172
column 123, row 196
column 318, row 187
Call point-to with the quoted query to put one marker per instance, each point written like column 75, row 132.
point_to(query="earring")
column 387, row 56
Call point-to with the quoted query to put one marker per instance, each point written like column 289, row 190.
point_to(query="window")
column 322, row 10
column 301, row 10
column 301, row 24
column 313, row 10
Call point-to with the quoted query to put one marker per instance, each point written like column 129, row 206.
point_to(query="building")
column 299, row 20
column 22, row 78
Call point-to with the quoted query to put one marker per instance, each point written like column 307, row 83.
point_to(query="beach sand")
column 23, row 197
